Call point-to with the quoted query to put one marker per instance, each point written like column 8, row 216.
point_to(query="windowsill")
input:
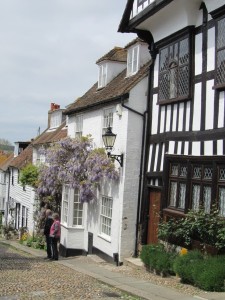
column 71, row 227
column 169, row 211
column 105, row 238
column 219, row 87
column 162, row 102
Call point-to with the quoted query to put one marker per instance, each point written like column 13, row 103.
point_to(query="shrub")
column 155, row 257
column 209, row 274
column 184, row 265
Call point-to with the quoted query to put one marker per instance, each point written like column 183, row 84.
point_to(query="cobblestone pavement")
column 23, row 276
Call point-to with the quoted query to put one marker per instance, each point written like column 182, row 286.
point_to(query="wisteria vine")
column 75, row 163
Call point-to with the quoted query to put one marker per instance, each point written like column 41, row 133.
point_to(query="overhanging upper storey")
column 157, row 16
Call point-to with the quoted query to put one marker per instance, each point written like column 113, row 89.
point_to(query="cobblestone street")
column 23, row 276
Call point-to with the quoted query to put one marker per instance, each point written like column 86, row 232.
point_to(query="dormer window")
column 102, row 76
column 132, row 61
column 78, row 126
column 56, row 119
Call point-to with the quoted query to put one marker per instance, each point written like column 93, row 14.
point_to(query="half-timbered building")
column 184, row 156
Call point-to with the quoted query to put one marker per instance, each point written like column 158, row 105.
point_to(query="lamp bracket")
column 118, row 158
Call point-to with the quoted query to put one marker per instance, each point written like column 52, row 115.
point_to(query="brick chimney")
column 53, row 107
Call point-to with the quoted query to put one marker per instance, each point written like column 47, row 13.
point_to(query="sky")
column 48, row 53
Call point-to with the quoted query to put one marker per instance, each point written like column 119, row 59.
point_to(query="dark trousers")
column 49, row 246
column 55, row 252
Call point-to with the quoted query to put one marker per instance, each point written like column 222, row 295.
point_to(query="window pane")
column 220, row 74
column 77, row 209
column 106, row 216
column 182, row 196
column 65, row 204
column 207, row 198
column 221, row 34
column 222, row 201
column 195, row 197
column 173, row 193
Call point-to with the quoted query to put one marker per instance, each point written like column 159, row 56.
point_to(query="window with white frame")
column 107, row 119
column 65, row 204
column 106, row 216
column 77, row 210
column 132, row 60
column 78, row 126
column 102, row 75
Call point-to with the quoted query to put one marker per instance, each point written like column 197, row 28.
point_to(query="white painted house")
column 107, row 227
column 20, row 202
column 185, row 144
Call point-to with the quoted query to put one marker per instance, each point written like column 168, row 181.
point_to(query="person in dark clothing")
column 48, row 224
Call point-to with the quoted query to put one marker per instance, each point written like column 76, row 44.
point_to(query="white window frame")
column 78, row 126
column 107, row 119
column 102, row 75
column 133, row 60
column 77, row 210
column 106, row 217
column 65, row 204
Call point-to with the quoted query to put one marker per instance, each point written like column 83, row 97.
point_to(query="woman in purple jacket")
column 55, row 235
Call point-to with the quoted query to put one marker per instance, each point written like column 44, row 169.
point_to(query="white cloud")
column 48, row 53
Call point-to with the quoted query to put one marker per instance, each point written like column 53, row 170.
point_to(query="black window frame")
column 168, row 43
column 218, row 49
column 215, row 182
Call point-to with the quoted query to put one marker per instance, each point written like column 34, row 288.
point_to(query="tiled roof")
column 24, row 158
column 116, row 54
column 116, row 88
column 5, row 164
column 51, row 136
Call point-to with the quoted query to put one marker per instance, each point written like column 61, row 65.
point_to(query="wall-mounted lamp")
column 109, row 139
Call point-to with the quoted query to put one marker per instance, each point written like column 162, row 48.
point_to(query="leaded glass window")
column 207, row 198
column 196, row 197
column 220, row 45
column 177, row 188
column 222, row 201
column 174, row 70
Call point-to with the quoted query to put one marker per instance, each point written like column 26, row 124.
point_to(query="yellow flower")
column 183, row 251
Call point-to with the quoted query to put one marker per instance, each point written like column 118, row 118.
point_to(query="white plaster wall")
column 185, row 12
column 113, row 69
column 197, row 107
column 128, row 128
column 133, row 140
column 198, row 54
column 209, row 115
column 211, row 50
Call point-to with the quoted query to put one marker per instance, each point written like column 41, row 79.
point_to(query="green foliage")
column 209, row 274
column 184, row 265
column 205, row 272
column 155, row 257
column 37, row 241
column 209, row 229
column 29, row 175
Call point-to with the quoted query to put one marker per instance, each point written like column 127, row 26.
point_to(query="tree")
column 29, row 175
column 75, row 163
column 5, row 142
